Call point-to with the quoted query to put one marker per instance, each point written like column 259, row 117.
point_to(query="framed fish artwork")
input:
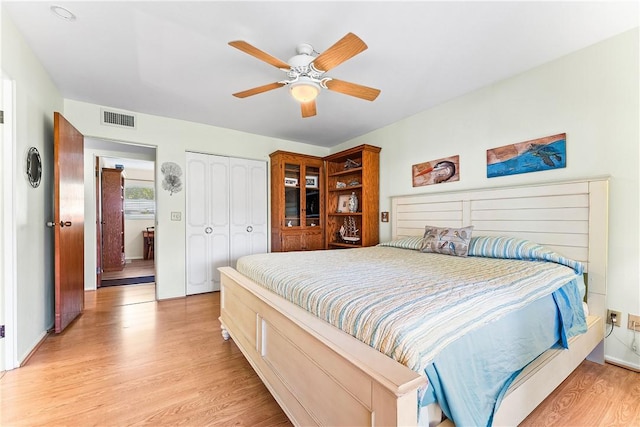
column 530, row 156
column 436, row 171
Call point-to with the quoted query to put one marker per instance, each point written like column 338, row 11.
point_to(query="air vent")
column 114, row 118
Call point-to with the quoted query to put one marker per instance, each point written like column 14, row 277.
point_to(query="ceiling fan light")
column 304, row 91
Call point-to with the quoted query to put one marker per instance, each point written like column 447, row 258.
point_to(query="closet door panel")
column 197, row 218
column 220, row 256
column 198, row 265
column 240, row 193
column 259, row 206
column 207, row 225
column 218, row 196
column 218, row 200
column 196, row 196
column 248, row 208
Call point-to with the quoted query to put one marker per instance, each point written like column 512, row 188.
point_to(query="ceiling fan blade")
column 308, row 108
column 263, row 56
column 259, row 89
column 352, row 89
column 345, row 48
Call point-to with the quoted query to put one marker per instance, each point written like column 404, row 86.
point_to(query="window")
column 139, row 199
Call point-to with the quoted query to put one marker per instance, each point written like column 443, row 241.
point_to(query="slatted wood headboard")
column 569, row 217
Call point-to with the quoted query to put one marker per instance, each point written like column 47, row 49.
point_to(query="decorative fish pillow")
column 446, row 240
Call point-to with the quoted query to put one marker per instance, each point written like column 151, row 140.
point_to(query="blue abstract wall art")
column 530, row 156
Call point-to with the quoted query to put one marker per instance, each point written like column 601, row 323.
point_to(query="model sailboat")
column 348, row 231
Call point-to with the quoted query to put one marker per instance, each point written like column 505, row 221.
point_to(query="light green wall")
column 36, row 98
column 592, row 95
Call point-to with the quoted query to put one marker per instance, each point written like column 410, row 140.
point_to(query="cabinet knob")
column 208, row 230
column 249, row 229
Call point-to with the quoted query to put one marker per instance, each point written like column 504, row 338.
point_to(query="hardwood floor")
column 135, row 268
column 593, row 395
column 127, row 362
column 130, row 360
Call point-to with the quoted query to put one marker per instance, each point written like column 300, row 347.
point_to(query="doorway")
column 127, row 219
column 136, row 165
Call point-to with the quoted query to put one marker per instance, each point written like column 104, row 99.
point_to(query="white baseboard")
column 622, row 363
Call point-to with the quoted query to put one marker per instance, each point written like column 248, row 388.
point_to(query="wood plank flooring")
column 131, row 360
column 135, row 268
column 593, row 395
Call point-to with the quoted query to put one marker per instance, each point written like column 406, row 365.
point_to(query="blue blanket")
column 500, row 351
column 503, row 348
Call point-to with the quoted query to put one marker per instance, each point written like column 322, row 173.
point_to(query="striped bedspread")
column 407, row 304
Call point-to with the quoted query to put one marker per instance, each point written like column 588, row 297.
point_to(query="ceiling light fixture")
column 304, row 90
column 63, row 13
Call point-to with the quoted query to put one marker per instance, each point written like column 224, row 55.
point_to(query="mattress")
column 413, row 306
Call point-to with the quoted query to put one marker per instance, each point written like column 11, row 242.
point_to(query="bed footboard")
column 318, row 374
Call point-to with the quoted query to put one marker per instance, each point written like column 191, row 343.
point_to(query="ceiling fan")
column 306, row 72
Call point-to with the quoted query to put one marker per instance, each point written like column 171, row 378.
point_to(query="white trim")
column 9, row 346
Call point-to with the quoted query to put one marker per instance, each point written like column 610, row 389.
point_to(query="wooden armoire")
column 297, row 202
column 113, row 258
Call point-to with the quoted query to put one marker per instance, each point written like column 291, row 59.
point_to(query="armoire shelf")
column 363, row 180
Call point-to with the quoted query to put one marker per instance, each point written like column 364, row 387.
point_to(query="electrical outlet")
column 630, row 322
column 618, row 317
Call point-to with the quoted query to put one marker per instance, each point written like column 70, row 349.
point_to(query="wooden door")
column 113, row 258
column 248, row 195
column 207, row 216
column 68, row 223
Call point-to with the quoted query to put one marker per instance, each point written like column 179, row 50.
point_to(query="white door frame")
column 8, row 345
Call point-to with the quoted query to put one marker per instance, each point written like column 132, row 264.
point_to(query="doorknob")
column 62, row 224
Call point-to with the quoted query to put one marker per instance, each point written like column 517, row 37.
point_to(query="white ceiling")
column 171, row 58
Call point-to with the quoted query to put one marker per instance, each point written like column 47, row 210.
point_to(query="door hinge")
column 1, row 331
column 1, row 117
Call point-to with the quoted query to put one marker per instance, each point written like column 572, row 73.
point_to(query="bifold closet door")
column 248, row 203
column 226, row 216
column 207, row 221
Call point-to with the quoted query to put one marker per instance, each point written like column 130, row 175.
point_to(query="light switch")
column 176, row 216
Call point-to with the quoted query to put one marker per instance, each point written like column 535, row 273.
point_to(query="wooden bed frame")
column 322, row 376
